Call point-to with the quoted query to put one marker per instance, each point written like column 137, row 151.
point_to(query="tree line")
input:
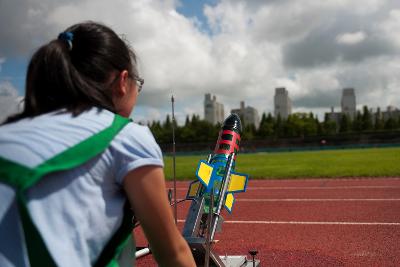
column 296, row 125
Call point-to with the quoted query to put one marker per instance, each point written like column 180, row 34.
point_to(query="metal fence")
column 273, row 144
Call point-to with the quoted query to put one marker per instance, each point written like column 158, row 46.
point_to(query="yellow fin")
column 204, row 172
column 237, row 183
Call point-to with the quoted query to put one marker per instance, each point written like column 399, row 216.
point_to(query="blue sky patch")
column 13, row 70
column 195, row 8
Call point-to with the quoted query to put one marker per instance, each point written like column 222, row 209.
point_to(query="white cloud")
column 146, row 115
column 391, row 26
column 2, row 60
column 351, row 38
column 7, row 90
column 9, row 100
column 357, row 7
column 245, row 57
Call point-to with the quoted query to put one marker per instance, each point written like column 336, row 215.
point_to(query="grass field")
column 373, row 162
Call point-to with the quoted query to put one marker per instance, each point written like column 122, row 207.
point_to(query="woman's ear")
column 123, row 83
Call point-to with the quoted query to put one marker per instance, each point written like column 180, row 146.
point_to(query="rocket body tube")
column 212, row 173
column 227, row 143
column 217, row 177
column 229, row 136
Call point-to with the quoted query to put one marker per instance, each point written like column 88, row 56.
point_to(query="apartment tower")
column 282, row 103
column 213, row 111
column 349, row 102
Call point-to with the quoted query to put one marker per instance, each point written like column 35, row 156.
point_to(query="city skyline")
column 283, row 108
column 14, row 104
column 236, row 50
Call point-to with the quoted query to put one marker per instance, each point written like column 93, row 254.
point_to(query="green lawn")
column 372, row 162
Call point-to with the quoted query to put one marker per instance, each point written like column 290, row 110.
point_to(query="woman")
column 70, row 160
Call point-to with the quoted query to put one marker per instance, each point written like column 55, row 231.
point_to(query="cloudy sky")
column 236, row 50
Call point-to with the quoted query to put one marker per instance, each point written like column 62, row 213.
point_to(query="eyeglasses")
column 139, row 83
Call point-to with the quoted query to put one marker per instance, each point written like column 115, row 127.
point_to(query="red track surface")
column 317, row 222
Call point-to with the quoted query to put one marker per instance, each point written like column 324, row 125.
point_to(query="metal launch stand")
column 201, row 226
column 215, row 188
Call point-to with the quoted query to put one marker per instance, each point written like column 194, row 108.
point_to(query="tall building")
column 334, row 116
column 248, row 114
column 213, row 111
column 282, row 103
column 349, row 102
column 391, row 112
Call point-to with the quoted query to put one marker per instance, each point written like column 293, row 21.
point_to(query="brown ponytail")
column 75, row 74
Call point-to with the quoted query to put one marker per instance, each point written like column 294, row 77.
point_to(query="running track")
column 315, row 222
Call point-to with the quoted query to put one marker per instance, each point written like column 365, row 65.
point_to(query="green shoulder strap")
column 22, row 178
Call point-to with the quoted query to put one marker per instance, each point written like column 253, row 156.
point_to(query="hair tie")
column 67, row 37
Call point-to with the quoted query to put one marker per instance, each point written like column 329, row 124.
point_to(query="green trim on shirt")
column 21, row 178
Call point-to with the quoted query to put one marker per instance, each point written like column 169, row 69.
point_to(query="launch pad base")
column 238, row 261
column 199, row 251
column 229, row 261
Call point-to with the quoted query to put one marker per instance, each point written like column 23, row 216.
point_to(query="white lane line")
column 324, row 187
column 313, row 199
column 313, row 187
column 310, row 223
column 313, row 223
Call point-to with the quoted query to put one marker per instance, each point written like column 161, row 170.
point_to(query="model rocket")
column 210, row 174
column 216, row 184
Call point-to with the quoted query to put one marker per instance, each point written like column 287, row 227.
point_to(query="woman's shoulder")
column 134, row 147
column 93, row 119
column 42, row 137
column 136, row 135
